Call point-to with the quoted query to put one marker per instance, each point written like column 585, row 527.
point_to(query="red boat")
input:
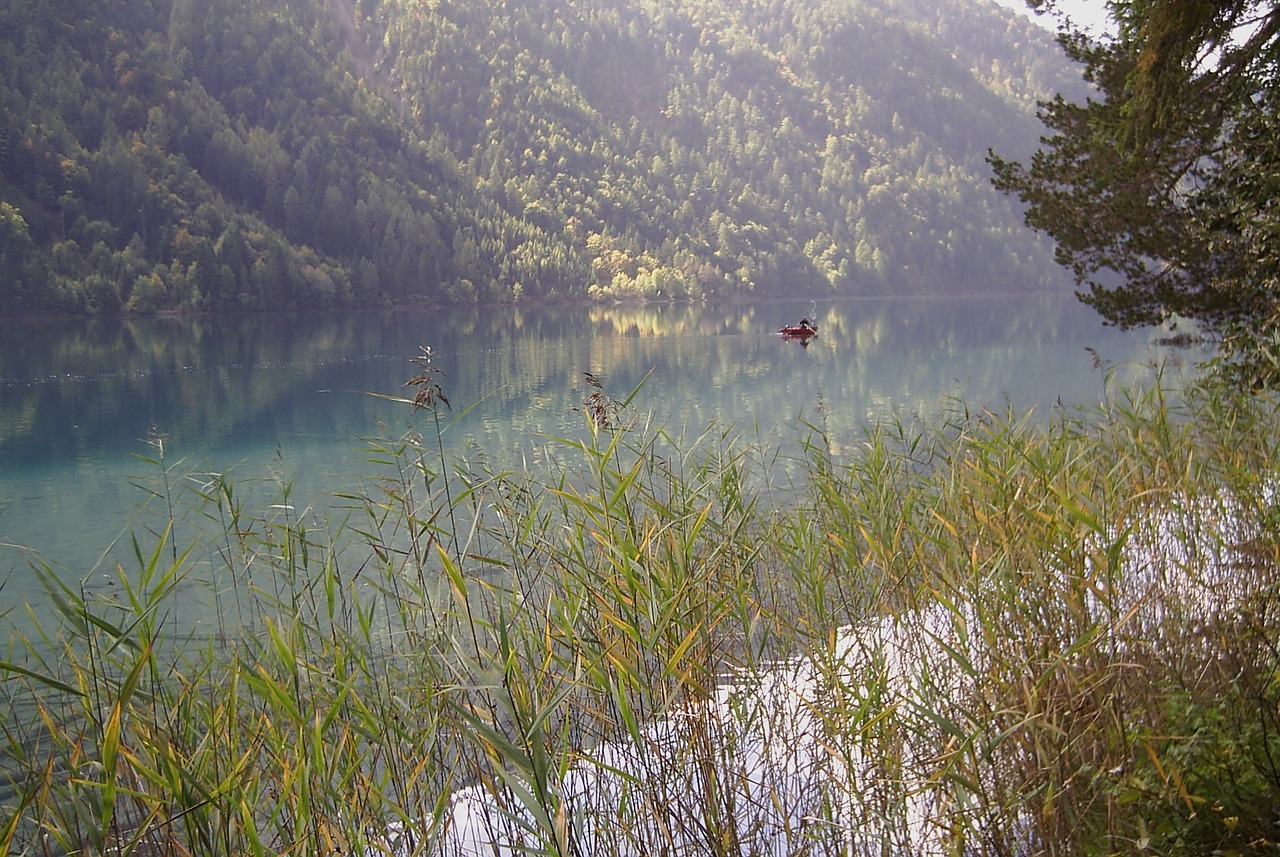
column 803, row 330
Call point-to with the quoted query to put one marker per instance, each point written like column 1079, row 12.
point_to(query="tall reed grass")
column 1000, row 633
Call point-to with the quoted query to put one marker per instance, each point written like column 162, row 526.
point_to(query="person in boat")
column 802, row 330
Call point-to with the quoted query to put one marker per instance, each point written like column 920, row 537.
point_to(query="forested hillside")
column 248, row 154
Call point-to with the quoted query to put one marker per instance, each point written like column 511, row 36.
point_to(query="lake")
column 289, row 399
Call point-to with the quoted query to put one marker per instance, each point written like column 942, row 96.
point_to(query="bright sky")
column 1089, row 15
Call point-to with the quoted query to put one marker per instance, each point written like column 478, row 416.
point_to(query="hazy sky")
column 1090, row 15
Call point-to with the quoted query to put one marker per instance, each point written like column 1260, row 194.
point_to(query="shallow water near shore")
column 91, row 409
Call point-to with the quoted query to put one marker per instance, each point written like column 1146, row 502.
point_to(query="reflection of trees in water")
column 105, row 382
column 73, row 387
column 289, row 393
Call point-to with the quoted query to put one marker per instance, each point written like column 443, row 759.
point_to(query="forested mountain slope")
column 244, row 154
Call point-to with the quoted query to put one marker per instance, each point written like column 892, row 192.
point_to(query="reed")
column 993, row 634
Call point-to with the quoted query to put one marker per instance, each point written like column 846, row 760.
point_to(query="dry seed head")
column 602, row 410
column 429, row 391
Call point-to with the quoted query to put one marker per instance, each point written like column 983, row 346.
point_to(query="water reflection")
column 289, row 394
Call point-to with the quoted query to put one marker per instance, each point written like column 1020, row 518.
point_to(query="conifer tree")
column 1160, row 191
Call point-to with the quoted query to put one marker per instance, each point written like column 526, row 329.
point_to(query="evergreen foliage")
column 1160, row 190
column 175, row 154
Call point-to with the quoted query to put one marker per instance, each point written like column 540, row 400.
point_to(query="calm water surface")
column 288, row 399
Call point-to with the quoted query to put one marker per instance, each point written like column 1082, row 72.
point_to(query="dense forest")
column 245, row 154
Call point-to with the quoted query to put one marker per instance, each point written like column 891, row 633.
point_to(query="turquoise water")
column 284, row 403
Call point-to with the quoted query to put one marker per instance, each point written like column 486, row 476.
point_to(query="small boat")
column 803, row 330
